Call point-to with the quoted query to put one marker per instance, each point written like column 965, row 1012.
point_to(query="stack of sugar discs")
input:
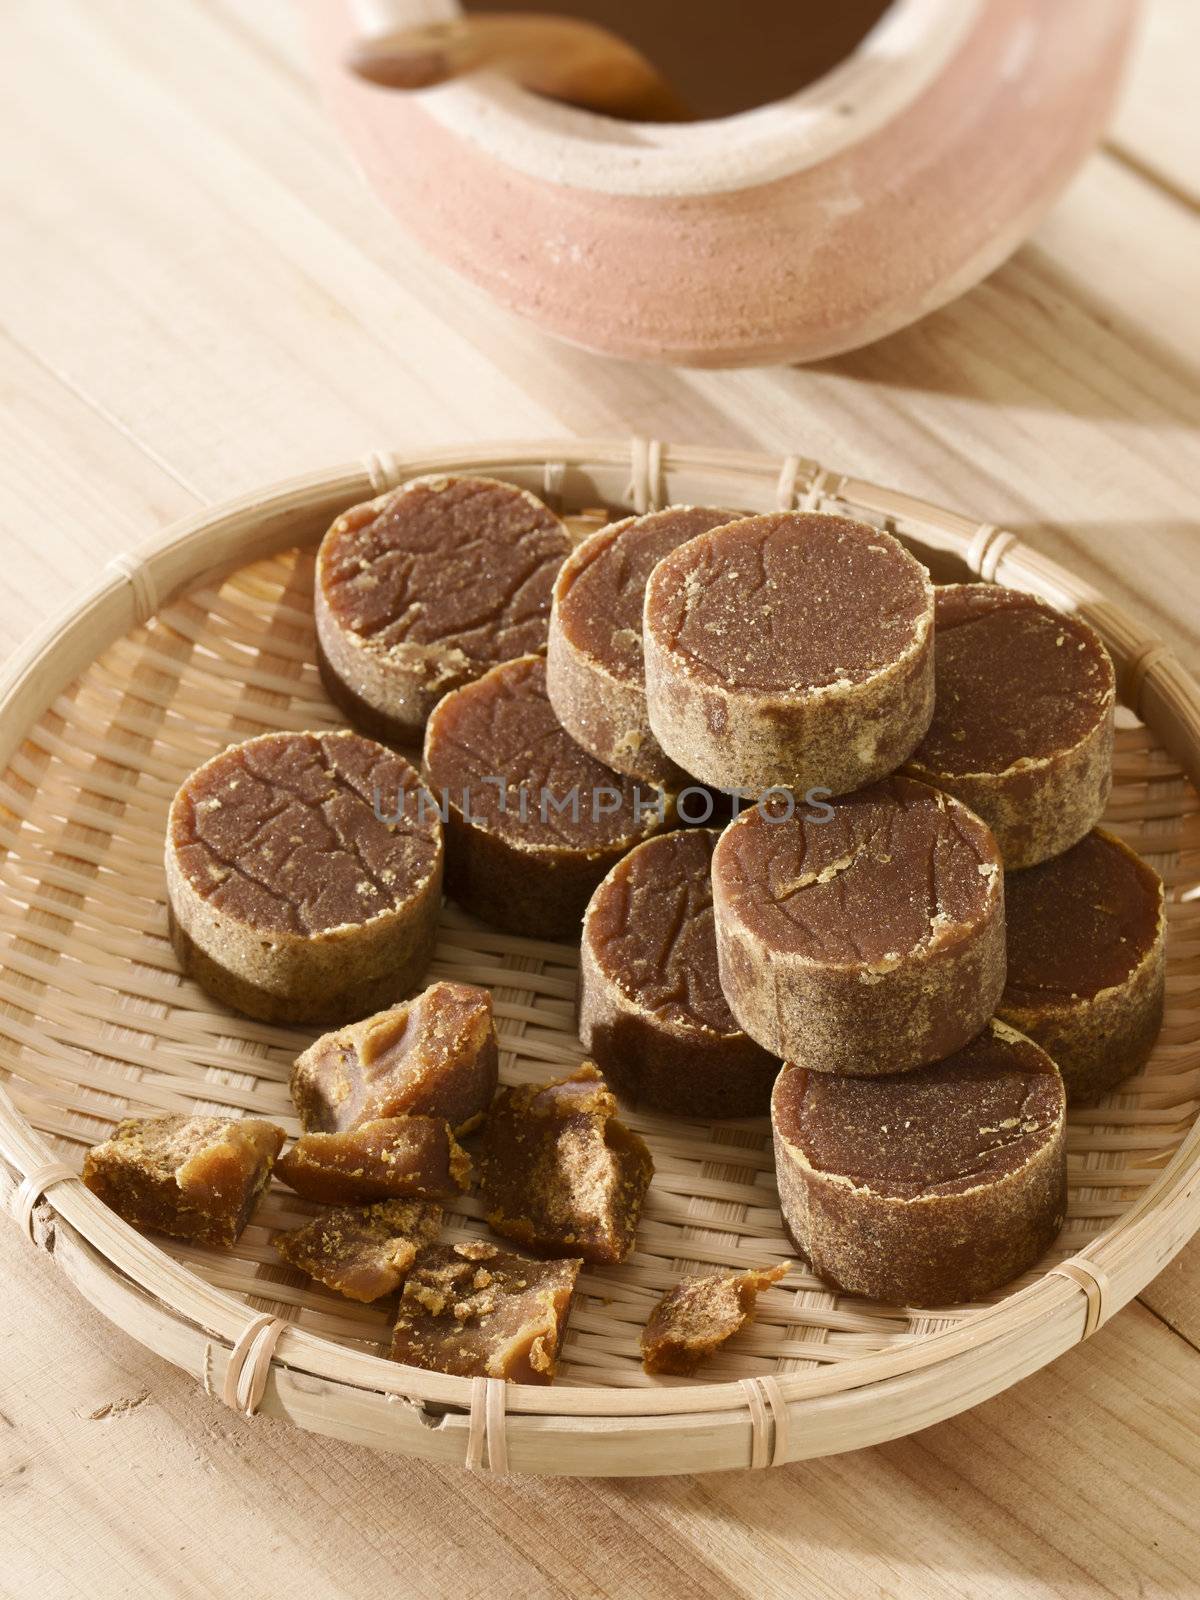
column 912, row 908
column 912, row 757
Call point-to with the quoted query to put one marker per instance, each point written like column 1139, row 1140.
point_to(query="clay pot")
column 787, row 233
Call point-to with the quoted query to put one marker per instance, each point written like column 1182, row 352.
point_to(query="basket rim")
column 235, row 533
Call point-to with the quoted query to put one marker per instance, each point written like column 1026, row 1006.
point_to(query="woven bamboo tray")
column 204, row 637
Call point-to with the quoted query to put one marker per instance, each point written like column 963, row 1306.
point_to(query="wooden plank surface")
column 196, row 295
column 1081, row 1481
column 1149, row 131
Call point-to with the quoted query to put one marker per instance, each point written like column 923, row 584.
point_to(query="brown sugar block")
column 390, row 1158
column 864, row 934
column 532, row 821
column 697, row 1316
column 1022, row 728
column 594, row 670
column 362, row 1252
column 928, row 1187
column 792, row 649
column 425, row 588
column 559, row 1173
column 1086, row 961
column 434, row 1056
column 194, row 1177
column 291, row 900
column 477, row 1311
column 651, row 1009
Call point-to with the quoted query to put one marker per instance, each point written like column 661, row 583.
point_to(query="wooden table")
column 197, row 297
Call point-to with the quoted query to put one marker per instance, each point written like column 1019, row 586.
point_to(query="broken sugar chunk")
column 432, row 1056
column 697, row 1316
column 475, row 1310
column 194, row 1177
column 386, row 1159
column 362, row 1252
column 560, row 1173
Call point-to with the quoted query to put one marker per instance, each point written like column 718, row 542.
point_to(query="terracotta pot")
column 787, row 233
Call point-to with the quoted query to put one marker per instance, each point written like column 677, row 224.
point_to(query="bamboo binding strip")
column 31, row 1189
column 1094, row 1284
column 204, row 637
column 250, row 1363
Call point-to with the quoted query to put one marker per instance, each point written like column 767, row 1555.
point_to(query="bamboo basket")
column 204, row 637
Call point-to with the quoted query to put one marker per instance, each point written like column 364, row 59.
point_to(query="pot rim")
column 901, row 55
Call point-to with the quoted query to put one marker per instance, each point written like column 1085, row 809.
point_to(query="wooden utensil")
column 563, row 58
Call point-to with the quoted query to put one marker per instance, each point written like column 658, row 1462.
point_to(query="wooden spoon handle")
column 563, row 58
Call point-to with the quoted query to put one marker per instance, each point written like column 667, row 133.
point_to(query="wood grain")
column 1082, row 1480
column 1175, row 1294
column 196, row 297
column 1149, row 133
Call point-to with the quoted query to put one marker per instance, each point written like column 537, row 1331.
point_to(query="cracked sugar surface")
column 650, row 928
column 499, row 742
column 761, row 605
column 896, row 868
column 603, row 586
column 283, row 833
column 464, row 563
